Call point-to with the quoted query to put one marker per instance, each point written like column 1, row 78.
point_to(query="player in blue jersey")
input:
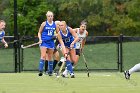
column 69, row 38
column 55, row 53
column 45, row 35
column 82, row 34
column 2, row 33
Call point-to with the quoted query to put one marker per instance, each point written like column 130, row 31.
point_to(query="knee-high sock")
column 46, row 65
column 135, row 68
column 72, row 64
column 50, row 66
column 41, row 65
column 54, row 64
column 69, row 66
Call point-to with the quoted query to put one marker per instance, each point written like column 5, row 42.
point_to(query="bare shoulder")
column 70, row 29
column 43, row 23
column 75, row 29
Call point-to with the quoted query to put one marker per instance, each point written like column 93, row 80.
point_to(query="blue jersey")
column 68, row 38
column 2, row 34
column 48, row 31
column 47, row 35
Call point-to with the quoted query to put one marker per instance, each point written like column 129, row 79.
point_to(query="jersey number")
column 67, row 40
column 50, row 32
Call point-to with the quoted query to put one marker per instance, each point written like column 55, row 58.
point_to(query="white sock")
column 135, row 68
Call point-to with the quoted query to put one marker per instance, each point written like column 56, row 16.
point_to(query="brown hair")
column 83, row 22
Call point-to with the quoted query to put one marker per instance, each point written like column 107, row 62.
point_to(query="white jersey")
column 81, row 38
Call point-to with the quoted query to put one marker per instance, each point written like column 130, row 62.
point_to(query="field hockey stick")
column 58, row 74
column 22, row 46
column 85, row 64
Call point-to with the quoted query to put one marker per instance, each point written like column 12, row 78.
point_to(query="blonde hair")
column 2, row 21
column 49, row 12
column 57, row 22
column 64, row 22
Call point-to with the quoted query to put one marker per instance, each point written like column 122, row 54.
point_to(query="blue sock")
column 69, row 66
column 50, row 66
column 41, row 65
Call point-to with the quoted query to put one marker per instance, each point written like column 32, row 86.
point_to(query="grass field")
column 98, row 82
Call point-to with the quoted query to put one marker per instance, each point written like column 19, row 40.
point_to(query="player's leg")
column 46, row 63
column 72, row 60
column 68, row 64
column 42, row 60
column 130, row 71
column 56, row 58
column 77, row 52
column 77, row 55
column 72, row 56
column 135, row 68
column 50, row 61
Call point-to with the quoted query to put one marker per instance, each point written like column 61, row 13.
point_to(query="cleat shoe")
column 40, row 73
column 65, row 73
column 64, row 76
column 127, row 75
column 50, row 73
column 72, row 75
column 46, row 73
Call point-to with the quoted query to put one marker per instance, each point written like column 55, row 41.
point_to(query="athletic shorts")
column 48, row 44
column 77, row 51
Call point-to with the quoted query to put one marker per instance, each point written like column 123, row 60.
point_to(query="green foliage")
column 104, row 17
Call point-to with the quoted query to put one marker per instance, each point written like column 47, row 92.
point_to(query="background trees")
column 104, row 17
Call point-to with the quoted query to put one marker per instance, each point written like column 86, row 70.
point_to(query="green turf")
column 98, row 82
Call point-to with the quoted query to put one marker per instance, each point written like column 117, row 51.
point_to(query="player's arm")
column 62, row 44
column 75, row 30
column 84, row 40
column 4, row 42
column 57, row 29
column 40, row 31
column 74, row 35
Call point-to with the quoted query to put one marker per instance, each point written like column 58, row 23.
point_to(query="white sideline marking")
column 106, row 75
column 10, row 83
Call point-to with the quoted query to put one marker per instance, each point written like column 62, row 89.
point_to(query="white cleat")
column 65, row 73
column 72, row 75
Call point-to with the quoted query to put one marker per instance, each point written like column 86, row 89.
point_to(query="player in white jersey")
column 82, row 34
column 2, row 33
